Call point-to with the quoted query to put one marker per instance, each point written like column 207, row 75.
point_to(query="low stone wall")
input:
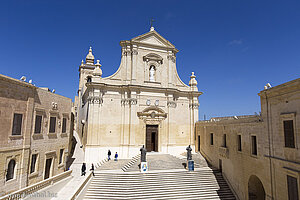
column 21, row 194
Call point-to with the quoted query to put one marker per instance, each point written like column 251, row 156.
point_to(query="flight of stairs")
column 203, row 183
column 131, row 162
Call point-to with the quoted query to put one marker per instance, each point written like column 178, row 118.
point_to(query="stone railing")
column 224, row 152
column 81, row 186
column 22, row 193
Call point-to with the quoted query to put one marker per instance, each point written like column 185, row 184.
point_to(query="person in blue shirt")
column 116, row 156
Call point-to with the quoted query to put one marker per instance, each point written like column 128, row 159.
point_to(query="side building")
column 259, row 155
column 36, row 126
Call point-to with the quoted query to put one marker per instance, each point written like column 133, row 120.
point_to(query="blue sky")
column 234, row 47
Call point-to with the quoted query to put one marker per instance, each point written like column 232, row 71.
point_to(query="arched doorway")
column 256, row 189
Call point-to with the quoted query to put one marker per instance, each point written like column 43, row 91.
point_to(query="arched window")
column 10, row 169
column 152, row 73
column 89, row 79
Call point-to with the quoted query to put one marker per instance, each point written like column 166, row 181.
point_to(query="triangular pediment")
column 153, row 38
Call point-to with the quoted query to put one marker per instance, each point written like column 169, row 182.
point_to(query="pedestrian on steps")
column 116, row 156
column 109, row 154
column 83, row 168
column 92, row 169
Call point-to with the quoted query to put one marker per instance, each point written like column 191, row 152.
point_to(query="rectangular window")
column 38, row 124
column 64, row 125
column 52, row 124
column 288, row 128
column 292, row 188
column 211, row 139
column 33, row 162
column 224, row 141
column 239, row 143
column 17, row 124
column 61, row 153
column 254, row 145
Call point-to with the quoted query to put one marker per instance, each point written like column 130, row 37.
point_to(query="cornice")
column 282, row 89
column 125, row 43
column 142, row 87
column 16, row 81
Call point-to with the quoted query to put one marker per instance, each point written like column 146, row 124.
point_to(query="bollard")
column 191, row 165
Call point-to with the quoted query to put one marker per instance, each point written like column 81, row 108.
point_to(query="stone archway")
column 256, row 189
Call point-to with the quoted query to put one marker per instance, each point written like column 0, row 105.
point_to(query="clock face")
column 148, row 102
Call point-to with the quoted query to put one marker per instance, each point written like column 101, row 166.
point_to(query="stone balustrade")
column 22, row 193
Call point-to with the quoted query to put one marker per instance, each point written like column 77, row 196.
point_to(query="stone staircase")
column 166, row 179
column 131, row 162
column 203, row 183
column 114, row 165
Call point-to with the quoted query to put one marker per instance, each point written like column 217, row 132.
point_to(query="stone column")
column 134, row 65
column 171, row 61
column 126, row 124
column 128, row 65
column 133, row 118
column 193, row 107
column 171, row 110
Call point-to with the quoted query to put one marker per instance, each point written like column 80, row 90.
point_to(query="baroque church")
column 143, row 103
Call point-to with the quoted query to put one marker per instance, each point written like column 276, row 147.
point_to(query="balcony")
column 224, row 152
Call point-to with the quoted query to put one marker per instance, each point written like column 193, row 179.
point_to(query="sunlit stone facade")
column 143, row 103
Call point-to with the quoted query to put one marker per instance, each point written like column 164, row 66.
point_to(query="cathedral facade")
column 143, row 103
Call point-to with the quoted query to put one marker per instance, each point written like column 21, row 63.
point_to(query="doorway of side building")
column 152, row 138
column 198, row 143
column 48, row 168
column 256, row 189
column 220, row 165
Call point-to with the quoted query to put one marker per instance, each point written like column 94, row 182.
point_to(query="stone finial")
column 193, row 83
column 82, row 63
column 152, row 28
column 97, row 71
column 90, row 57
column 98, row 63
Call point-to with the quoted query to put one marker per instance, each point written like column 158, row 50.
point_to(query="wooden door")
column 152, row 138
column 48, row 168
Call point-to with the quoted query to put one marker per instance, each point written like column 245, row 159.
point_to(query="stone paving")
column 159, row 161
column 72, row 186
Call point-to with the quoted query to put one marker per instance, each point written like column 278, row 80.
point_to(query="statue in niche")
column 152, row 73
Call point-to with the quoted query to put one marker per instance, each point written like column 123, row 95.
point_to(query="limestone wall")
column 24, row 98
column 237, row 166
column 274, row 161
column 115, row 124
column 15, row 97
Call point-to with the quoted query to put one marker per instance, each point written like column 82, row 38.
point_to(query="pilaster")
column 134, row 64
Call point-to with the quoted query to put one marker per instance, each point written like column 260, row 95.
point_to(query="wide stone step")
column 160, row 184
column 169, row 195
column 129, row 191
column 155, row 183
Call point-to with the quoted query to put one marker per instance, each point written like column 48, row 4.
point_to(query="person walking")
column 116, row 156
column 83, row 168
column 92, row 169
column 109, row 154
